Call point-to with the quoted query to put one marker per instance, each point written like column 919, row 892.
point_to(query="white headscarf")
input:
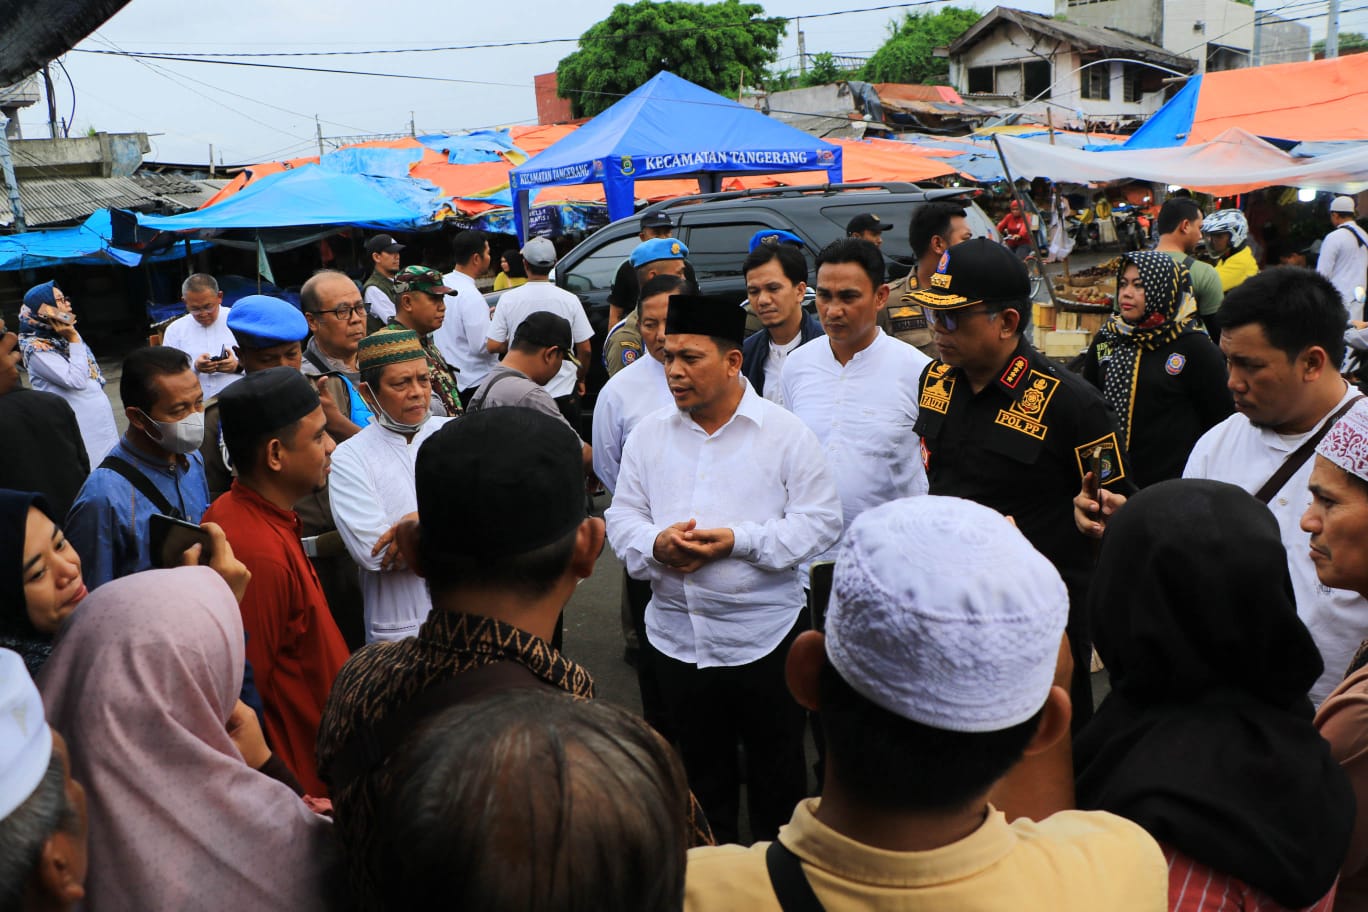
column 141, row 683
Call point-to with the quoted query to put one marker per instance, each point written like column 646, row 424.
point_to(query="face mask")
column 383, row 419
column 184, row 436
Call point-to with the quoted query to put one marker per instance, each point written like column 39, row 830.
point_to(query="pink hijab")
column 141, row 683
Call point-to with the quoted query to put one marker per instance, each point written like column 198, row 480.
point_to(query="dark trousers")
column 1080, row 646
column 570, row 407
column 717, row 709
column 652, row 702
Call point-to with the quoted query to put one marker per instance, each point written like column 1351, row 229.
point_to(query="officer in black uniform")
column 1002, row 426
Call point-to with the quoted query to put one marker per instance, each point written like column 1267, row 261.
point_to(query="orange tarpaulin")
column 1316, row 100
column 868, row 160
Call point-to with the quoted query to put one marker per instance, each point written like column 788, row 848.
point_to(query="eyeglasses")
column 950, row 320
column 341, row 313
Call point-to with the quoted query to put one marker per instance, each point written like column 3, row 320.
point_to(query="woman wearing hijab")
column 58, row 361
column 1157, row 367
column 1206, row 739
column 144, row 683
column 41, row 571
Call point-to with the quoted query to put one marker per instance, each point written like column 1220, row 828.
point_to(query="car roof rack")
column 928, row 194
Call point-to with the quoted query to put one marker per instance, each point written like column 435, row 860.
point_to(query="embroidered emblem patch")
column 937, row 388
column 1014, row 372
column 674, row 248
column 1174, row 364
column 1021, row 424
column 926, row 455
column 944, row 263
column 1113, row 469
column 1026, row 413
column 629, row 355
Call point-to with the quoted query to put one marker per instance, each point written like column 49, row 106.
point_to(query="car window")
column 717, row 251
column 596, row 271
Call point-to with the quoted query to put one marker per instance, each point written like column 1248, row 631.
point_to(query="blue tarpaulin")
column 310, row 196
column 376, row 161
column 669, row 127
column 88, row 244
column 1170, row 125
column 472, row 148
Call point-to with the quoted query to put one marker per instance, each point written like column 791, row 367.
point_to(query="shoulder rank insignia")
column 1011, row 377
column 937, row 388
column 1113, row 469
column 1025, row 414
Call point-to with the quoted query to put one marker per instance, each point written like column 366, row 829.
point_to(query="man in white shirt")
column 858, row 388
column 1282, row 334
column 203, row 334
column 461, row 338
column 719, row 502
column 626, row 399
column 382, row 300
column 371, row 487
column 776, row 283
column 1344, row 255
column 539, row 257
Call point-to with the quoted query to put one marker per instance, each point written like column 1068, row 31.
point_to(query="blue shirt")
column 108, row 523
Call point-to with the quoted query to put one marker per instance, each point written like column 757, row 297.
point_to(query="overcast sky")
column 251, row 115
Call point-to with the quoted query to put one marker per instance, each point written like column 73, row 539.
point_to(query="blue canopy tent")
column 87, row 244
column 669, row 127
column 308, row 197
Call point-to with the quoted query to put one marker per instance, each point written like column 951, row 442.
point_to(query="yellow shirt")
column 1236, row 268
column 1073, row 860
column 502, row 281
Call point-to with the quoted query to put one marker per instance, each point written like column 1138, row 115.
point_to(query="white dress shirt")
column 380, row 305
column 195, row 340
column 1241, row 454
column 630, row 395
column 1344, row 261
column 516, row 304
column 762, row 475
column 774, row 367
column 862, row 414
column 371, row 488
column 461, row 337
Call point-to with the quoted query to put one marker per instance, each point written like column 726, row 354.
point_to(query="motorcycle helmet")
column 1228, row 220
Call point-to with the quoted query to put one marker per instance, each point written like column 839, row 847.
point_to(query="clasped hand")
column 684, row 547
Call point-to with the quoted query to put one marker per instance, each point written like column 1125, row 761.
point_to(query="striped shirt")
column 1194, row 887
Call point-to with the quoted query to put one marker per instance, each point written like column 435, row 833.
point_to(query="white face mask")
column 182, row 437
column 383, row 418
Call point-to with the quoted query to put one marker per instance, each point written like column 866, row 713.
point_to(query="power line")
column 535, row 42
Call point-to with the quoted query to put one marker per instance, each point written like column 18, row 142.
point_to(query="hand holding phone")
column 170, row 538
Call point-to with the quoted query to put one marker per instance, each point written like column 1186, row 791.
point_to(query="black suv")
column 717, row 228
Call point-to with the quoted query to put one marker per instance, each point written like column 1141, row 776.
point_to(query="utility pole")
column 51, row 102
column 1332, row 31
column 211, row 161
column 318, row 131
column 1257, row 54
column 802, row 48
column 413, row 130
column 7, row 168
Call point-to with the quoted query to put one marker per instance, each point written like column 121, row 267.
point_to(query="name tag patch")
column 937, row 389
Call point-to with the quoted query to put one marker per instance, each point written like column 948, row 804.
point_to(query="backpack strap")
column 478, row 401
column 791, row 886
column 142, row 484
column 1358, row 236
column 1302, row 453
column 371, row 744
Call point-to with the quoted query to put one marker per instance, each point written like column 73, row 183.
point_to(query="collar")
column 751, row 407
column 127, row 449
column 457, row 631
column 250, row 498
column 822, row 847
column 328, row 359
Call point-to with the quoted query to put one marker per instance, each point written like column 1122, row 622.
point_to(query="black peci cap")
column 977, row 270
column 262, row 402
column 702, row 315
column 868, row 222
column 522, row 484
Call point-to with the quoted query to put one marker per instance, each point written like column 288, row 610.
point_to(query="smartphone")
column 52, row 314
column 170, row 537
column 1095, row 486
column 819, row 591
column 221, row 356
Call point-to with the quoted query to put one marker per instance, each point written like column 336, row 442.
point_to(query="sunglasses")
column 950, row 320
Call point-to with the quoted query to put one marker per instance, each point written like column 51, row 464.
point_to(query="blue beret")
column 266, row 321
column 774, row 236
column 658, row 249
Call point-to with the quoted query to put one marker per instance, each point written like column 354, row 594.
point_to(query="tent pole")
column 1035, row 242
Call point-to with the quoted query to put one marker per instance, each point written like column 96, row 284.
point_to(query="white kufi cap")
column 25, row 739
column 943, row 613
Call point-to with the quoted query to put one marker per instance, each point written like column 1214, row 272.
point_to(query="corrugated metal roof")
column 57, row 201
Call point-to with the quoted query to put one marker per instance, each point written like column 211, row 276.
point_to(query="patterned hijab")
column 36, row 335
column 1170, row 311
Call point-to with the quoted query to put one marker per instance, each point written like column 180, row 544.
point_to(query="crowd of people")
column 294, row 640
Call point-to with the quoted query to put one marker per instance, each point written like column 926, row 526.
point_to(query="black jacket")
column 755, row 350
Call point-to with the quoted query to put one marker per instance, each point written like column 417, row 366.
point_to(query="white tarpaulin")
column 1234, row 162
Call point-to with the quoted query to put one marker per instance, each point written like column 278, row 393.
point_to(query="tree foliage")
column 907, row 55
column 715, row 45
column 1348, row 41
